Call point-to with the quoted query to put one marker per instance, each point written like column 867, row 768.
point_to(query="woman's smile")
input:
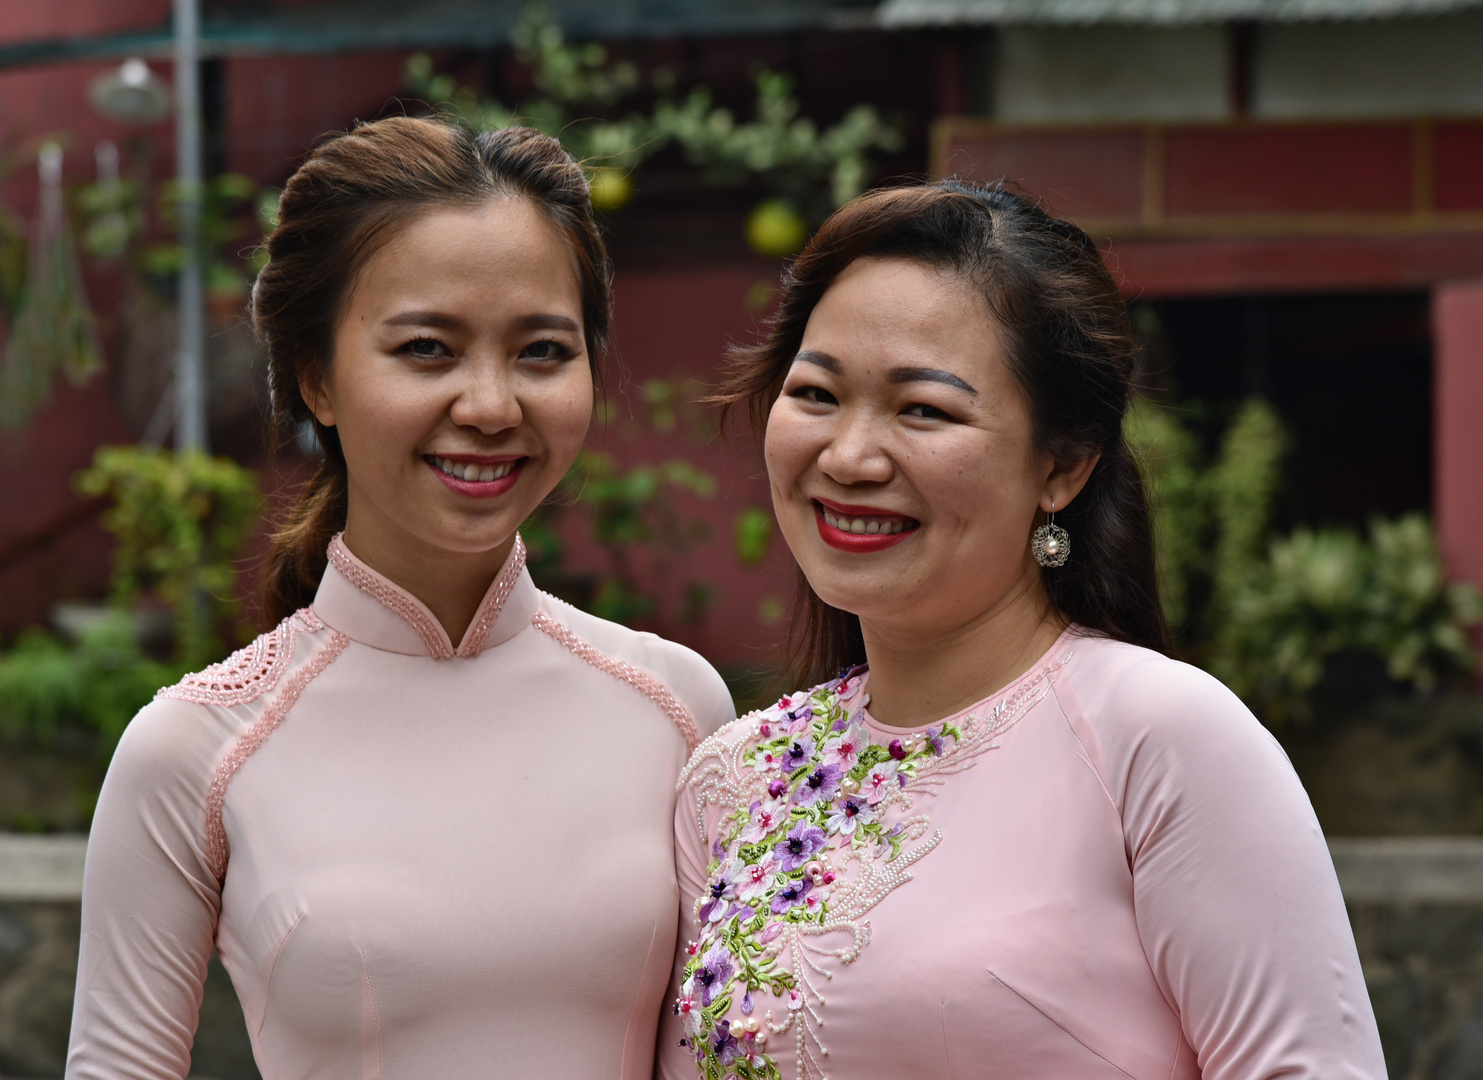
column 861, row 529
column 475, row 476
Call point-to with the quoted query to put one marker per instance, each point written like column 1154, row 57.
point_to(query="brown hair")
column 342, row 205
column 1070, row 347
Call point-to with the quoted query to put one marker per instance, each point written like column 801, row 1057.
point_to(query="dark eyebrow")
column 425, row 318
column 547, row 322
column 927, row 374
column 823, row 359
column 449, row 322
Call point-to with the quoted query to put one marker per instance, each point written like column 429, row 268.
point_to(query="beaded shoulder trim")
column 250, row 672
column 247, row 742
column 816, row 826
column 650, row 686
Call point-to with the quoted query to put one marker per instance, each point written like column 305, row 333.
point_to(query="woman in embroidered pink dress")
column 1022, row 842
column 427, row 821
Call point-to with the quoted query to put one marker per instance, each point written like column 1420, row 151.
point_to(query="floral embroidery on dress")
column 250, row 672
column 816, row 829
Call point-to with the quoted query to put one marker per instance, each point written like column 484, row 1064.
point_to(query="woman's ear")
column 1065, row 482
column 312, row 390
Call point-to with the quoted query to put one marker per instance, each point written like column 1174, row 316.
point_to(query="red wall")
column 1457, row 321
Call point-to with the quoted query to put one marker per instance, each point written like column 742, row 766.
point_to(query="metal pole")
column 190, row 360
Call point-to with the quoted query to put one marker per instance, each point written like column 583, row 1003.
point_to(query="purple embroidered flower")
column 822, row 783
column 794, row 894
column 848, row 815
column 799, row 720
column 714, row 972
column 798, row 755
column 723, row 1045
column 720, row 891
column 933, row 738
column 802, row 843
column 747, row 1003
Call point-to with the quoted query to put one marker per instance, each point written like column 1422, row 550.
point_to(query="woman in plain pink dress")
column 1019, row 840
column 427, row 821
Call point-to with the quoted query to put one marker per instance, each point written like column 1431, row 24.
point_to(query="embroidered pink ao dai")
column 1106, row 871
column 416, row 860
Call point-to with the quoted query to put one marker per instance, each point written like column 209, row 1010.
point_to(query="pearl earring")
column 1051, row 544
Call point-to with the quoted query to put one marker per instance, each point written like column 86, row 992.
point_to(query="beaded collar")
column 369, row 608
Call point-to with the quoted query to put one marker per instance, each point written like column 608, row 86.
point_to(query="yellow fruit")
column 611, row 188
column 776, row 229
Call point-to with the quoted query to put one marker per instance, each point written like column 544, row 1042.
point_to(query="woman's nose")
column 486, row 400
column 855, row 453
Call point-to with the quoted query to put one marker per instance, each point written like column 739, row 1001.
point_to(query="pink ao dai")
column 1106, row 871
column 416, row 860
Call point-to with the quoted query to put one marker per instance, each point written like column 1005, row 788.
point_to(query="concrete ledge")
column 41, row 867
column 1385, row 870
column 1416, row 869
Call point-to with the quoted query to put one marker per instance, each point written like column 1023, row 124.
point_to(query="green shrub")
column 181, row 521
column 99, row 683
column 1269, row 615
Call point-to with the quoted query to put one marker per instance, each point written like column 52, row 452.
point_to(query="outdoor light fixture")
column 131, row 93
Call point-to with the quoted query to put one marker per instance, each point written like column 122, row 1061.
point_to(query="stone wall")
column 1416, row 904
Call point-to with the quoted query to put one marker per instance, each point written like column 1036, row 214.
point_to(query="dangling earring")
column 1051, row 544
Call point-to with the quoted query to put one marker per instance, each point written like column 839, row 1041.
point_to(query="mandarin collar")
column 369, row 608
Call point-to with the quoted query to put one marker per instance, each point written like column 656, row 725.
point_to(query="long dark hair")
column 344, row 203
column 1070, row 346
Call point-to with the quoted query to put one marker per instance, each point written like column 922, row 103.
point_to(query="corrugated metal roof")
column 356, row 25
column 907, row 13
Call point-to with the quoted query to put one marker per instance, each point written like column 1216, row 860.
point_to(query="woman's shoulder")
column 1124, row 679
column 1135, row 709
column 687, row 674
column 187, row 725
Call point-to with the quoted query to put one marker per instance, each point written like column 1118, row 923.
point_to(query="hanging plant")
column 53, row 330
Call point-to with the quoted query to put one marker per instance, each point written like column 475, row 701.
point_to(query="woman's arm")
column 149, row 904
column 1236, row 898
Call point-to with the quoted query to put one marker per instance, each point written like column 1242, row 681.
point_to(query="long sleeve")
column 672, row 1061
column 149, row 904
column 1236, row 900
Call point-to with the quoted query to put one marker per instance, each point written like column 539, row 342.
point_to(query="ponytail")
column 296, row 553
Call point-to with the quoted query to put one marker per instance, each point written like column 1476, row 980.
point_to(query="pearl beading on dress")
column 243, row 746
column 250, row 672
column 637, row 678
column 719, row 775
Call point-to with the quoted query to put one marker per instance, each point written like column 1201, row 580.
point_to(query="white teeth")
column 478, row 473
column 861, row 527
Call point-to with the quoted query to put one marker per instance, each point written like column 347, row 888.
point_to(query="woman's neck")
column 919, row 674
column 450, row 585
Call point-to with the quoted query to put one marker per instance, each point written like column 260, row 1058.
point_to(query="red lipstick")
column 845, row 539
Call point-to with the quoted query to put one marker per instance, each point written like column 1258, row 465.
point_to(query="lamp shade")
column 131, row 93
